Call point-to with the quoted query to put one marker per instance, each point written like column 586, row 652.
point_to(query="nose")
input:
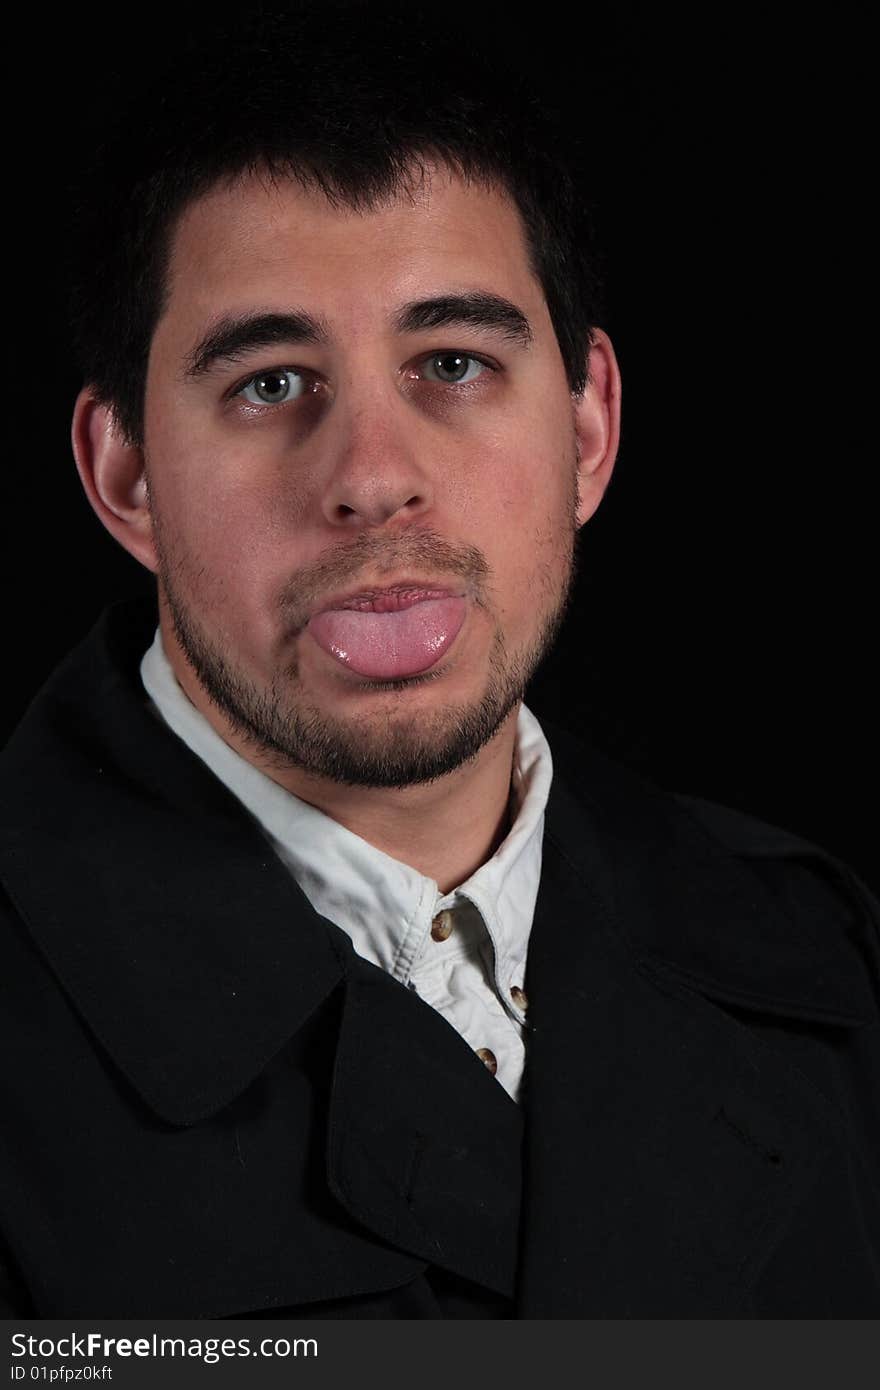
column 378, row 463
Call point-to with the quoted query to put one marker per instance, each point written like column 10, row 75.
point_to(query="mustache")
column 419, row 554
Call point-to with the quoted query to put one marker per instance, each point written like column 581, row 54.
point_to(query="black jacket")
column 212, row 1107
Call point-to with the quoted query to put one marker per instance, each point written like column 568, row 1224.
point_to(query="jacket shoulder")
column 745, row 911
column 819, row 891
column 787, row 862
column 748, row 835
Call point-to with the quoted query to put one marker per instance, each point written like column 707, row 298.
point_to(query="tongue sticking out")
column 392, row 645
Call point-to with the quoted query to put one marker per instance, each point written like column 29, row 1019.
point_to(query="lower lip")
column 391, row 645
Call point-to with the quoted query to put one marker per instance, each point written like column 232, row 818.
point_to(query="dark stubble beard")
column 392, row 749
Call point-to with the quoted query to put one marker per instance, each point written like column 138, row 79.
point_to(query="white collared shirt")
column 463, row 952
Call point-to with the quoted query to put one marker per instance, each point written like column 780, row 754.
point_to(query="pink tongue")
column 388, row 646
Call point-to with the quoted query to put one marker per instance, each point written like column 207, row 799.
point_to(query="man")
column 336, row 987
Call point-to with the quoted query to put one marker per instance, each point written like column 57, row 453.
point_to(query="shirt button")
column 519, row 997
column 441, row 927
column 488, row 1058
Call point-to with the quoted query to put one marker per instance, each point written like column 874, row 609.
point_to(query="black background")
column 722, row 635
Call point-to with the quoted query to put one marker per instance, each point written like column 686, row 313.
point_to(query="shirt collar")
column 384, row 905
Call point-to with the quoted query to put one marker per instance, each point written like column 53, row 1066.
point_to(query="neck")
column 445, row 829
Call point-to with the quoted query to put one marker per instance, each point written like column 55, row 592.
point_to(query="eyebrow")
column 479, row 310
column 232, row 336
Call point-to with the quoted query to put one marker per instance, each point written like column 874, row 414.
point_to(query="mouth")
column 392, row 632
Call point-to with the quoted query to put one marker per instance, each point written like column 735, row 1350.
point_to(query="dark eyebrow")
column 231, row 337
column 481, row 310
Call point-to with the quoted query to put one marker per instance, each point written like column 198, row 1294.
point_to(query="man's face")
column 362, row 468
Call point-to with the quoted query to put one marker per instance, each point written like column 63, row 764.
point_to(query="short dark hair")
column 347, row 98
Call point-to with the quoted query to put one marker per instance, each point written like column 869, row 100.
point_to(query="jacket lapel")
column 665, row 1146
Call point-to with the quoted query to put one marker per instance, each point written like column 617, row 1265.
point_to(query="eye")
column 453, row 368
column 273, row 387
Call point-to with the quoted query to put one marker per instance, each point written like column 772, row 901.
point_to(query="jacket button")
column 441, row 927
column 488, row 1058
column 519, row 997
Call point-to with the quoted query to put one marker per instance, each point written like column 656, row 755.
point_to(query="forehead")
column 269, row 244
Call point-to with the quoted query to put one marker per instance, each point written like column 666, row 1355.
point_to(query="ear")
column 597, row 425
column 113, row 475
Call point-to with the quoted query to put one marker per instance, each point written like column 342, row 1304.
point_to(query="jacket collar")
column 191, row 1006
column 191, row 991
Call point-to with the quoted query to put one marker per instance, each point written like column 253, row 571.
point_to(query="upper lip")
column 351, row 597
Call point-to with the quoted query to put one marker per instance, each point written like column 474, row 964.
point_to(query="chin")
column 390, row 745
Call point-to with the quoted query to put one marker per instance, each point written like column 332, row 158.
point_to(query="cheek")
column 531, row 537
column 533, row 491
column 223, row 557
column 228, row 504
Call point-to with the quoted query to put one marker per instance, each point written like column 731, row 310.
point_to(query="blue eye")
column 453, row 368
column 274, row 387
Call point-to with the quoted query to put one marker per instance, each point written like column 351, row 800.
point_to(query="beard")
column 392, row 747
